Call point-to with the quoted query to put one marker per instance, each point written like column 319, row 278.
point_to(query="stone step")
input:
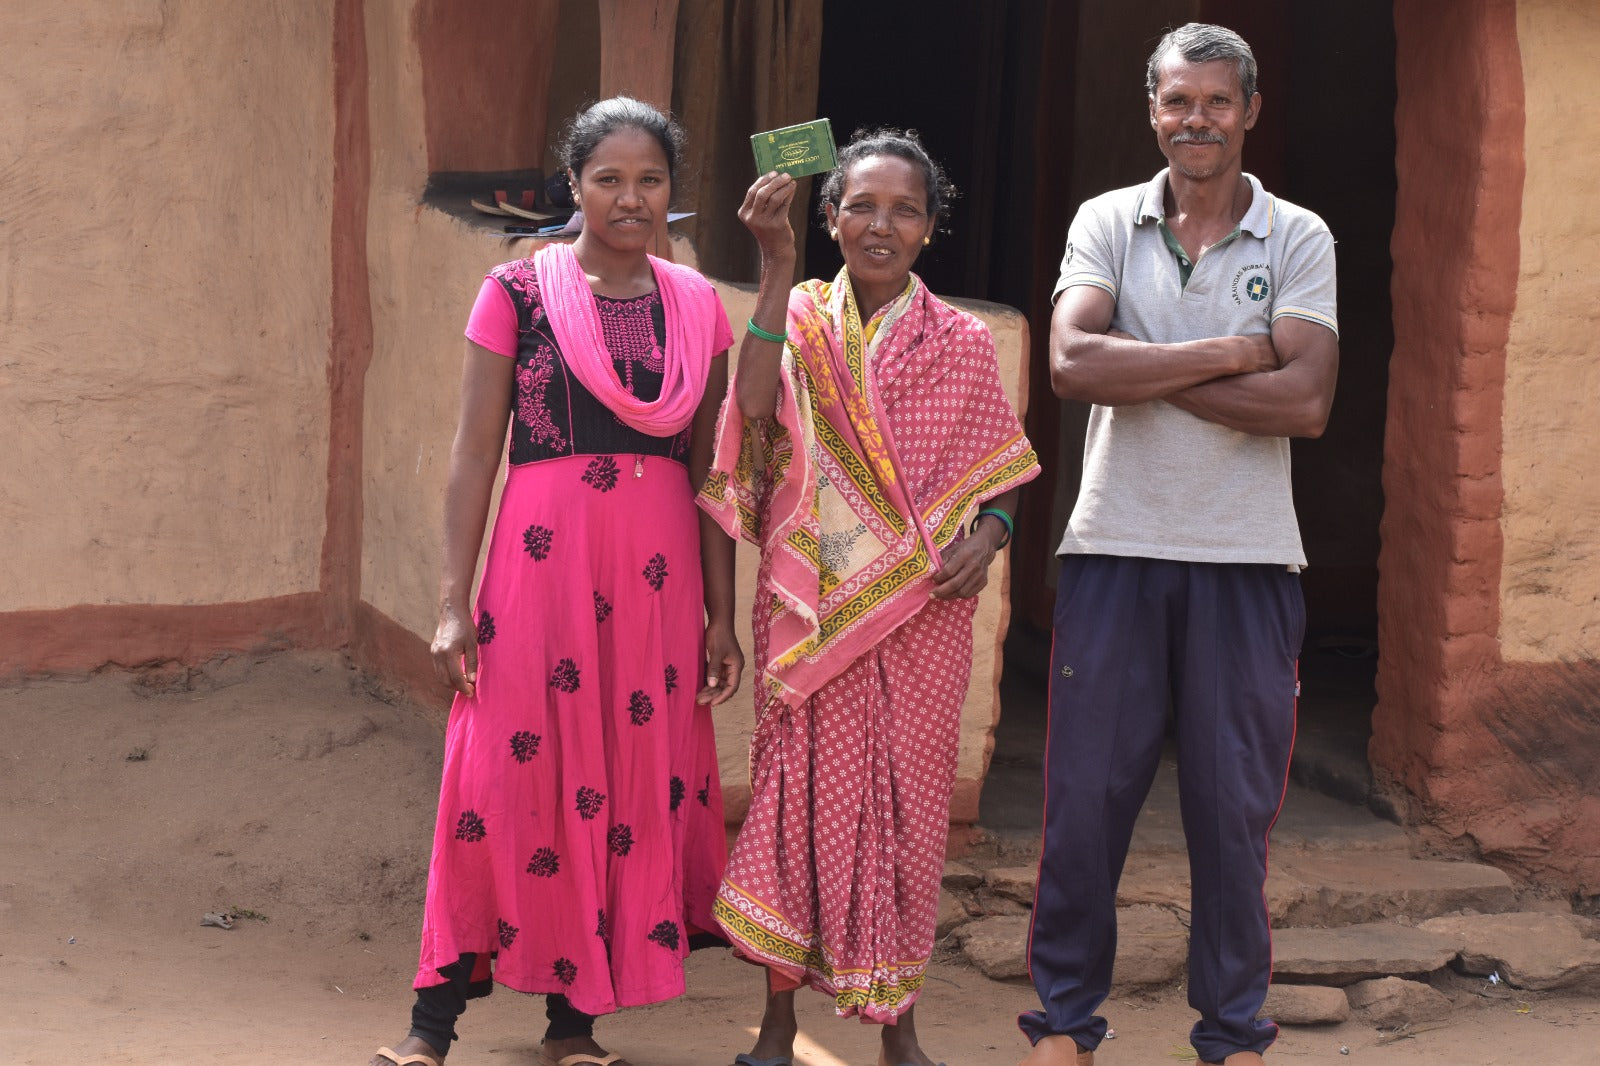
column 1387, row 1003
column 1391, row 1002
column 1537, row 951
column 1527, row 950
column 1152, row 947
column 998, row 946
column 1310, row 888
column 1317, row 888
column 1306, row 1004
column 1355, row 953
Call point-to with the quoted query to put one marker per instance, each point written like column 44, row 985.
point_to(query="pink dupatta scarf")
column 691, row 309
column 850, row 535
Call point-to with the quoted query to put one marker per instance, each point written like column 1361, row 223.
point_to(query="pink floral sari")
column 887, row 438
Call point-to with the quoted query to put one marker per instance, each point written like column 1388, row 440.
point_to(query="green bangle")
column 1005, row 520
column 776, row 338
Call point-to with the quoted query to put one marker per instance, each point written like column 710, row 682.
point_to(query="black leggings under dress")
column 433, row 1017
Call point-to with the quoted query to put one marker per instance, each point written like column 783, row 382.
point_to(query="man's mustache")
column 1198, row 137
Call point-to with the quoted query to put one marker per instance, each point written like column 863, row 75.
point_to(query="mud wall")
column 1486, row 732
column 1550, row 581
column 164, row 321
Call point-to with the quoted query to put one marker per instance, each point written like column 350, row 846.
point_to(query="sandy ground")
column 133, row 803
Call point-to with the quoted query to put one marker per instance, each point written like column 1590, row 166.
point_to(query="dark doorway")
column 949, row 72
column 1326, row 141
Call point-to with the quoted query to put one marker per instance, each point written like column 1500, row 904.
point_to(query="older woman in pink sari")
column 874, row 457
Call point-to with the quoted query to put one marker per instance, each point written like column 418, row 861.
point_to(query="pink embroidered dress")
column 580, row 835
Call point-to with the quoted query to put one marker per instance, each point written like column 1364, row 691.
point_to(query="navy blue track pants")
column 1221, row 642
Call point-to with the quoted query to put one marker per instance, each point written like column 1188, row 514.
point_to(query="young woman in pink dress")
column 580, row 836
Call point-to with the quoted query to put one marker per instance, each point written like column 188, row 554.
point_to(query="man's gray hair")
column 1201, row 42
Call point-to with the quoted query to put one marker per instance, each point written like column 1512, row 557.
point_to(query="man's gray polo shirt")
column 1159, row 482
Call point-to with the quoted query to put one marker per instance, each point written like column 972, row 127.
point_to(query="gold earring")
column 833, row 234
column 927, row 241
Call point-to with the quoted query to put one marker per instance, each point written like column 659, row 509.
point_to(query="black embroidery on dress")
column 676, row 792
column 554, row 415
column 545, row 863
column 469, row 827
column 589, row 802
column 620, row 839
column 704, row 795
column 601, row 473
column 485, row 627
column 534, row 373
column 655, row 571
column 665, row 934
column 640, row 707
column 671, row 675
column 600, row 928
column 524, row 745
column 536, row 539
column 566, row 970
column 508, row 933
column 602, row 608
column 565, row 676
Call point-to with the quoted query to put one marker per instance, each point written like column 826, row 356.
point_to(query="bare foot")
column 411, row 1045
column 556, row 1050
column 1058, row 1050
column 778, row 1028
column 900, row 1047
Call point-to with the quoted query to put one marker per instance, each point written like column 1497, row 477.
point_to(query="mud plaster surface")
column 283, row 787
column 164, row 300
column 1550, row 581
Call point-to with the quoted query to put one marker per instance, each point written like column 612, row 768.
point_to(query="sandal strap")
column 408, row 1060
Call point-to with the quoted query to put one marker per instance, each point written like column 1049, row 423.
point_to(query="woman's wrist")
column 999, row 525
column 776, row 336
column 777, row 269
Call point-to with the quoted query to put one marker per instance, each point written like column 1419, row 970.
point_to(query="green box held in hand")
column 795, row 150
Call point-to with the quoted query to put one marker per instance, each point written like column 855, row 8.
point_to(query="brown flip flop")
column 409, row 1060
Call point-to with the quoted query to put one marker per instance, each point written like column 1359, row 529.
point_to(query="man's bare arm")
column 1087, row 364
column 1292, row 401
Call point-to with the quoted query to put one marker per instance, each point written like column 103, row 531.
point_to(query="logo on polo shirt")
column 1253, row 282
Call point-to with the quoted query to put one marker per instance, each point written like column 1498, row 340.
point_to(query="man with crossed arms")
column 1196, row 313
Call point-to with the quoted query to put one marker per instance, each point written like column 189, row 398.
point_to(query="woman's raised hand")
column 765, row 212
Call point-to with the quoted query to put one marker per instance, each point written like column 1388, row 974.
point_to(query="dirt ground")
column 290, row 790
